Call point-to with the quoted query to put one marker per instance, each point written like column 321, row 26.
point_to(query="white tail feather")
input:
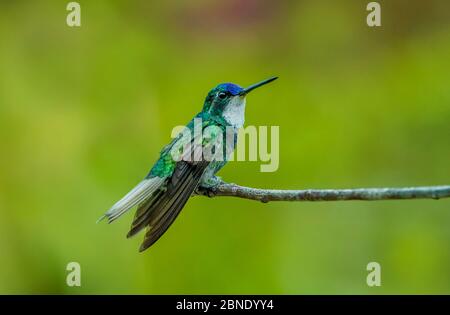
column 137, row 195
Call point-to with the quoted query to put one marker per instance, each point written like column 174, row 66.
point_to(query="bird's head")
column 227, row 100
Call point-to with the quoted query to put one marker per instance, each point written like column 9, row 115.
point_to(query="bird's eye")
column 222, row 95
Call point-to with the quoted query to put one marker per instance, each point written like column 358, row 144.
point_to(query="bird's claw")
column 209, row 187
column 212, row 182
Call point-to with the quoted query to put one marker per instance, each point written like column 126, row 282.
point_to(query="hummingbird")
column 163, row 193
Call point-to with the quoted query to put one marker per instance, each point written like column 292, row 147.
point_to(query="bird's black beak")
column 256, row 85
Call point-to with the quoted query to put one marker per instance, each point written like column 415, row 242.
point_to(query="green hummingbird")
column 183, row 165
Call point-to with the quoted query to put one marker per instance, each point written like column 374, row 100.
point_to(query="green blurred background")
column 84, row 112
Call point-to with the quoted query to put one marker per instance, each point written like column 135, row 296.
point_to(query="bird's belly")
column 215, row 166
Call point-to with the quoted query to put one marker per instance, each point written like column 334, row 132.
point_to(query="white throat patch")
column 234, row 113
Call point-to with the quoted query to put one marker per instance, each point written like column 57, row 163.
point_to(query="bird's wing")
column 159, row 213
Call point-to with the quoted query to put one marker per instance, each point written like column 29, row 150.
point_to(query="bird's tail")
column 159, row 212
column 138, row 195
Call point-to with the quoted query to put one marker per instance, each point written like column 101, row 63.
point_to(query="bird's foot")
column 212, row 182
column 208, row 187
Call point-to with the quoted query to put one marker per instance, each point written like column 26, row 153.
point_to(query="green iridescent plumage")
column 166, row 164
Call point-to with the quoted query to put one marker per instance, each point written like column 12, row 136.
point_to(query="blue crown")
column 232, row 88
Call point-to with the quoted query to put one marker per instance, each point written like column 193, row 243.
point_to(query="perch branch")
column 266, row 195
